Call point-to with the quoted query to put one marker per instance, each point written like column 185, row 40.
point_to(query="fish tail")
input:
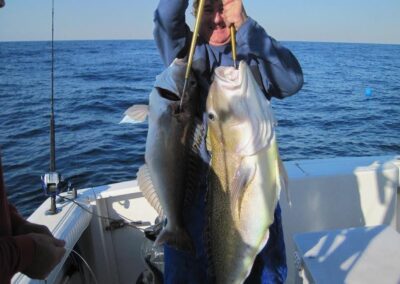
column 178, row 239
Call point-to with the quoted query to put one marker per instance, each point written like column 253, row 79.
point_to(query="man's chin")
column 216, row 37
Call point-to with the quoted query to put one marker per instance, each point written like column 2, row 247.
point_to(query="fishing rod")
column 52, row 127
column 52, row 181
column 192, row 48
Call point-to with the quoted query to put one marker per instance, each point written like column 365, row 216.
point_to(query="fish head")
column 166, row 97
column 240, row 117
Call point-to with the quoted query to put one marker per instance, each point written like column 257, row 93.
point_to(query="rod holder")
column 53, row 207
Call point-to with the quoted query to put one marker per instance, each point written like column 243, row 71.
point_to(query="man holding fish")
column 278, row 74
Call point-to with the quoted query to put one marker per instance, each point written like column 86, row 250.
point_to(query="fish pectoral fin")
column 244, row 175
column 147, row 188
column 283, row 179
column 135, row 114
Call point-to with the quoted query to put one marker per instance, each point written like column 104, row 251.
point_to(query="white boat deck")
column 355, row 255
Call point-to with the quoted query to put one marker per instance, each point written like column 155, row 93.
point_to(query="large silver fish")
column 246, row 172
column 168, row 177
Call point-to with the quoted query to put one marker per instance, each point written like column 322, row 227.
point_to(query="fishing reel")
column 51, row 187
column 53, row 184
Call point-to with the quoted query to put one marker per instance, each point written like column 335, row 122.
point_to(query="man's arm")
column 16, row 219
column 280, row 71
column 20, row 226
column 171, row 32
column 16, row 254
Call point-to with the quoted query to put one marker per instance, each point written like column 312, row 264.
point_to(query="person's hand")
column 28, row 227
column 48, row 253
column 234, row 13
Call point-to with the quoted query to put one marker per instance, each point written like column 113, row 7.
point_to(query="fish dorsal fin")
column 244, row 175
column 147, row 188
column 135, row 114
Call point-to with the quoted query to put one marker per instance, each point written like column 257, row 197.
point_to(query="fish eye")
column 211, row 116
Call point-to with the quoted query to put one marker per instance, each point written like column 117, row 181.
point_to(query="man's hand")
column 234, row 13
column 48, row 253
column 28, row 227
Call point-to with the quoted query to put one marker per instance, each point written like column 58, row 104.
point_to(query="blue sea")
column 349, row 106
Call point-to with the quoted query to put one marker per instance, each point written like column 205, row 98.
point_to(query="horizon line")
column 151, row 39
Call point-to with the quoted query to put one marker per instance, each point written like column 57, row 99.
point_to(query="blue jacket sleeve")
column 171, row 32
column 280, row 71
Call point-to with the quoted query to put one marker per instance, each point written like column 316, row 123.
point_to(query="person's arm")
column 16, row 219
column 25, row 247
column 16, row 254
column 279, row 69
column 20, row 226
column 33, row 254
column 171, row 32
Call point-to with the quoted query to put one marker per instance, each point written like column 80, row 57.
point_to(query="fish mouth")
column 174, row 107
column 168, row 95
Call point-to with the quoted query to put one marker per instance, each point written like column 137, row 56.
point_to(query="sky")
column 365, row 21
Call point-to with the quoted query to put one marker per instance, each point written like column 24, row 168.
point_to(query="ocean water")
column 349, row 106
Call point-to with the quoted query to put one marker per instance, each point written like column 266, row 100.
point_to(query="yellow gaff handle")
column 194, row 38
column 192, row 47
column 233, row 43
